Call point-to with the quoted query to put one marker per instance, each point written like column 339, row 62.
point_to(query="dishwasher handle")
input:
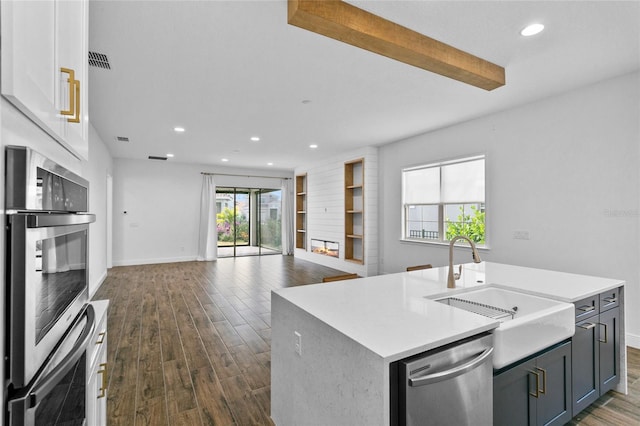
column 454, row 372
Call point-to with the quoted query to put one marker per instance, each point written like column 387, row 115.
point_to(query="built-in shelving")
column 301, row 211
column 354, row 210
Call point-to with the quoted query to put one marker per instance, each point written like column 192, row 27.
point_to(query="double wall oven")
column 49, row 321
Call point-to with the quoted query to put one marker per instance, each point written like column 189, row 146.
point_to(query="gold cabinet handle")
column 76, row 117
column 544, row 380
column 101, row 338
column 537, row 391
column 74, row 96
column 103, row 386
column 586, row 325
column 605, row 333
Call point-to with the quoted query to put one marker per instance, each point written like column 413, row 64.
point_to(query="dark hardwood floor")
column 189, row 343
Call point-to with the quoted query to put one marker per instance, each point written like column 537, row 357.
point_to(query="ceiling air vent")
column 122, row 139
column 99, row 60
column 153, row 157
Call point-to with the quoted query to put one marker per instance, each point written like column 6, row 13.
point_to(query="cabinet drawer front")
column 609, row 299
column 587, row 307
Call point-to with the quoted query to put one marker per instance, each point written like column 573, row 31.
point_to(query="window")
column 443, row 200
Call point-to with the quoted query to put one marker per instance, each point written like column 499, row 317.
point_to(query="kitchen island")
column 332, row 343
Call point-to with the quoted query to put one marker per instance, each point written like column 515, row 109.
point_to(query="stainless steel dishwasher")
column 451, row 385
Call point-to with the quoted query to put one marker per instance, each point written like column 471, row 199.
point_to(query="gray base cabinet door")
column 595, row 348
column 536, row 392
column 585, row 362
column 511, row 396
column 609, row 341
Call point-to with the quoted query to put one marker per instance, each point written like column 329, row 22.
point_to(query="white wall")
column 162, row 204
column 325, row 209
column 565, row 169
column 100, row 165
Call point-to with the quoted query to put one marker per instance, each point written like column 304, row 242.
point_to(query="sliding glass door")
column 233, row 206
column 248, row 221
column 270, row 220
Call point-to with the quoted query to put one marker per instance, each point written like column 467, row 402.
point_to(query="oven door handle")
column 44, row 387
column 47, row 220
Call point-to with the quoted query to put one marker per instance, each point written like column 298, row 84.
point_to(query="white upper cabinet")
column 45, row 66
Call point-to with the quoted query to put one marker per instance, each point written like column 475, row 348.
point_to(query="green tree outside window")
column 469, row 225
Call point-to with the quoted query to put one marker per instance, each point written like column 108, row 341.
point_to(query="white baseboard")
column 633, row 340
column 153, row 261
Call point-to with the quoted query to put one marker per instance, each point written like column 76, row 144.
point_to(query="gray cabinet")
column 536, row 391
column 609, row 343
column 595, row 348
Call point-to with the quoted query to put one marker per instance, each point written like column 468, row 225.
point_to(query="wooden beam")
column 349, row 24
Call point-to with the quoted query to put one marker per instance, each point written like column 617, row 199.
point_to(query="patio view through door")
column 248, row 221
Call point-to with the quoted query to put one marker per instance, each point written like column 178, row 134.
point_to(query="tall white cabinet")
column 45, row 66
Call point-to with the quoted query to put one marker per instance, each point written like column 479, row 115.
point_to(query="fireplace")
column 326, row 248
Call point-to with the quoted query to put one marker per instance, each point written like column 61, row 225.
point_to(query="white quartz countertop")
column 391, row 316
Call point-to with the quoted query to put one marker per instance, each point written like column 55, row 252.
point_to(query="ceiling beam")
column 349, row 24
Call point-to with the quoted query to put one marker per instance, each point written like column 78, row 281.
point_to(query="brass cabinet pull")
column 76, row 117
column 74, row 96
column 611, row 299
column 544, row 380
column 605, row 333
column 586, row 308
column 587, row 325
column 101, row 338
column 103, row 386
column 537, row 391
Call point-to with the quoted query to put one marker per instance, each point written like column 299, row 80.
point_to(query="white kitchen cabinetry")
column 97, row 368
column 45, row 66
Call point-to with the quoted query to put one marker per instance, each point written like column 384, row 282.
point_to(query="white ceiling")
column 229, row 70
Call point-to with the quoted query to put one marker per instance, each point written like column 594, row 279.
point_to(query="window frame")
column 441, row 220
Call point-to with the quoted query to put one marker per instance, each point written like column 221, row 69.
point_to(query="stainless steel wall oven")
column 47, row 236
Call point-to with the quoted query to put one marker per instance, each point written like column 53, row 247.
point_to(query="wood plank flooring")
column 189, row 344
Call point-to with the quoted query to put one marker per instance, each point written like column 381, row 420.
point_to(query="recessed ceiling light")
column 170, row 155
column 225, row 160
column 255, row 138
column 178, row 129
column 313, row 146
column 269, row 164
column 532, row 29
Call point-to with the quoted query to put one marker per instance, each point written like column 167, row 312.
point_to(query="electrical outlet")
column 520, row 235
column 298, row 343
